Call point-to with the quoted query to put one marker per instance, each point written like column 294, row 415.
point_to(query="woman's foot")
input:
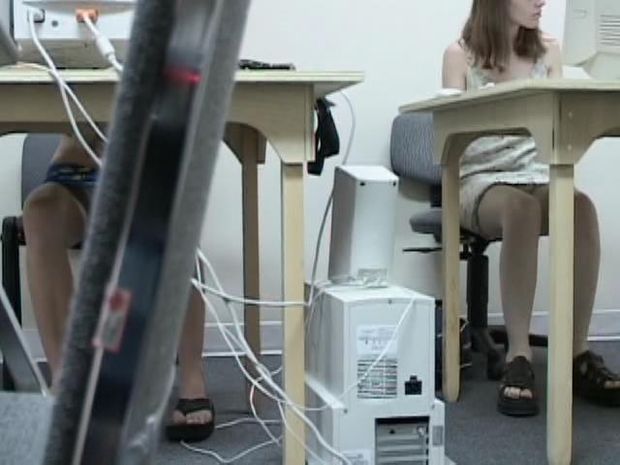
column 517, row 390
column 193, row 420
column 593, row 381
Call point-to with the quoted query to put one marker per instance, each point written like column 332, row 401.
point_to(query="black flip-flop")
column 518, row 374
column 192, row 432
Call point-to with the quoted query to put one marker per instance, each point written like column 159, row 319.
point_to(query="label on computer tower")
column 372, row 340
column 358, row 457
column 377, row 362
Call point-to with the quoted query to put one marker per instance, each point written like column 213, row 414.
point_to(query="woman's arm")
column 454, row 71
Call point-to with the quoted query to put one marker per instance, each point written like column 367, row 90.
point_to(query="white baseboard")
column 271, row 339
column 605, row 327
column 605, row 324
column 214, row 345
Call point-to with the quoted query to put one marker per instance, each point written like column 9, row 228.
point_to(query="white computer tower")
column 363, row 221
column 392, row 415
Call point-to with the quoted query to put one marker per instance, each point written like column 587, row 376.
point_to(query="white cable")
column 74, row 98
column 221, row 459
column 242, row 300
column 331, row 195
column 361, row 378
column 260, row 368
column 116, row 65
column 103, row 44
column 216, row 456
column 298, row 413
column 257, row 418
column 61, row 86
column 245, row 420
column 262, row 423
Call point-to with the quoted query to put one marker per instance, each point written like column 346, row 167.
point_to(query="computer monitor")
column 592, row 37
column 69, row 43
column 8, row 51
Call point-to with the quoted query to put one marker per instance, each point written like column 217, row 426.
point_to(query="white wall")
column 398, row 44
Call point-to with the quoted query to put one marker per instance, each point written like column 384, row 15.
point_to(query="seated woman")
column 55, row 219
column 505, row 194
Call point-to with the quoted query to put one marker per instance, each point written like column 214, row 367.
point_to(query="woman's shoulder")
column 456, row 49
column 550, row 42
column 457, row 54
column 553, row 55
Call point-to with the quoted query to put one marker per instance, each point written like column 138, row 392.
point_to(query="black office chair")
column 37, row 153
column 411, row 152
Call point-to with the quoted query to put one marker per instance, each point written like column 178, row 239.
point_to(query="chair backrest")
column 411, row 148
column 36, row 156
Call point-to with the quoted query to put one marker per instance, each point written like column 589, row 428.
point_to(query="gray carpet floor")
column 226, row 387
column 476, row 433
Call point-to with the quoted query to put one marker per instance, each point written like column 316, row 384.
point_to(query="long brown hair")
column 485, row 36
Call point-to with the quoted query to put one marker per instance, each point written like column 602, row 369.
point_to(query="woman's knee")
column 586, row 219
column 43, row 212
column 585, row 210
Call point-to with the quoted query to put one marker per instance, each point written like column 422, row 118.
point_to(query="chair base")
column 483, row 343
column 12, row 237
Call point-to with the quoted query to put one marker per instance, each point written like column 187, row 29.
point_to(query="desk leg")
column 451, row 307
column 293, row 290
column 560, row 392
column 251, row 276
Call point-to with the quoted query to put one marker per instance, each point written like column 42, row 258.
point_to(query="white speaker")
column 363, row 216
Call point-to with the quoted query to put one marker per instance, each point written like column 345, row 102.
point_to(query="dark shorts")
column 80, row 181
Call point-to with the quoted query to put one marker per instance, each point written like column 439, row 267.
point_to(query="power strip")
column 70, row 43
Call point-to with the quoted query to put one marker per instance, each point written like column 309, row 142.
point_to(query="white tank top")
column 503, row 159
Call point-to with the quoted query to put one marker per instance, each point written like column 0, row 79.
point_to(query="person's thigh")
column 502, row 201
column 52, row 213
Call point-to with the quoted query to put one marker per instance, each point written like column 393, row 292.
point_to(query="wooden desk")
column 267, row 106
column 564, row 117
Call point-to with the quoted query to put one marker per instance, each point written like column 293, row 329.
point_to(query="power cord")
column 61, row 85
column 280, row 396
column 102, row 43
column 74, row 98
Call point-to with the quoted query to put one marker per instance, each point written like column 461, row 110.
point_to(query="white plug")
column 37, row 14
column 104, row 45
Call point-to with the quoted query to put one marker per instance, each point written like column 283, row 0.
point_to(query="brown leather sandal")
column 589, row 377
